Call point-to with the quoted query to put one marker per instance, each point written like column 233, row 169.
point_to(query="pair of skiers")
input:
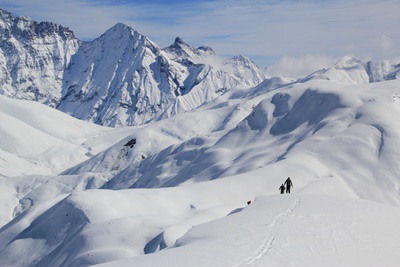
column 286, row 186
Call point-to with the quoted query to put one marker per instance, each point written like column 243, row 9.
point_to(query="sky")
column 279, row 33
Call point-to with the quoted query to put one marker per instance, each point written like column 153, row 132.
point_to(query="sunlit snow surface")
column 178, row 196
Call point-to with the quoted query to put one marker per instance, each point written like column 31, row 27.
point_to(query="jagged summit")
column 5, row 14
column 182, row 50
column 179, row 40
column 24, row 25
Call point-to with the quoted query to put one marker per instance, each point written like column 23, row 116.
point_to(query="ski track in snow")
column 276, row 226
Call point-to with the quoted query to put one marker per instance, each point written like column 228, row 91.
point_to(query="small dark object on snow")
column 143, row 157
column 66, row 215
column 282, row 189
column 249, row 202
column 131, row 143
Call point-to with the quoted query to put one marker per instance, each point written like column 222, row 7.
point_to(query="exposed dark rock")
column 131, row 143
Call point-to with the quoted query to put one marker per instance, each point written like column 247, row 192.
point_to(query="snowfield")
column 174, row 192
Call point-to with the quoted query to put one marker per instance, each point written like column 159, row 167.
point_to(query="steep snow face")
column 33, row 57
column 118, row 79
column 121, row 78
column 351, row 70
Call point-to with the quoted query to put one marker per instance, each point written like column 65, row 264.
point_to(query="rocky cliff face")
column 33, row 57
column 121, row 78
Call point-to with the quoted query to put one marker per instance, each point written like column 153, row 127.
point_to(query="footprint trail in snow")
column 276, row 226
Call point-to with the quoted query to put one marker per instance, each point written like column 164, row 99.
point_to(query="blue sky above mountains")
column 266, row 31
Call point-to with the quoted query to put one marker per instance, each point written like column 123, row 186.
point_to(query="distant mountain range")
column 121, row 78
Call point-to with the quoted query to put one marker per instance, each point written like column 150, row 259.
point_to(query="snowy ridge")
column 351, row 70
column 121, row 78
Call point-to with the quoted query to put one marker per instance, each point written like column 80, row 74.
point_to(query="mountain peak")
column 4, row 12
column 118, row 27
column 118, row 31
column 182, row 49
column 348, row 62
column 179, row 40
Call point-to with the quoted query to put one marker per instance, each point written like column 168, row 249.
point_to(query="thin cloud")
column 297, row 67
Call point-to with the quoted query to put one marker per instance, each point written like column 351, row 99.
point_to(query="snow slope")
column 36, row 139
column 37, row 143
column 298, row 230
column 184, row 202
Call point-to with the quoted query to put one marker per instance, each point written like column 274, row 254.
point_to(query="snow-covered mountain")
column 121, row 78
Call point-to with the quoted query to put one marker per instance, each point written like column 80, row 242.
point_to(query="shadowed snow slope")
column 173, row 193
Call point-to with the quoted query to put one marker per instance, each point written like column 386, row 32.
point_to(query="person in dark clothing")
column 282, row 189
column 288, row 184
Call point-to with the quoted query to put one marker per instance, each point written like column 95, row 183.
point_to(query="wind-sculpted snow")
column 121, row 78
column 312, row 107
column 301, row 120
